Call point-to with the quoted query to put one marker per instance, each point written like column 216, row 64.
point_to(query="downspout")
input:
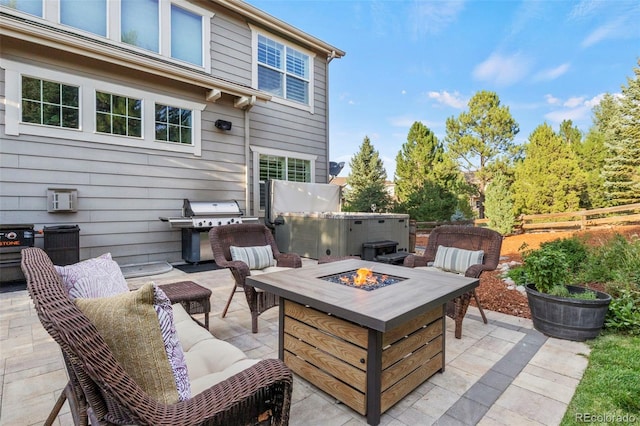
column 247, row 156
column 330, row 58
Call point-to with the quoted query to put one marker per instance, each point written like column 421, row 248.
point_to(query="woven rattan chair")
column 468, row 238
column 248, row 235
column 101, row 390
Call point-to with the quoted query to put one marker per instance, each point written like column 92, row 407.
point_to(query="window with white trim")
column 118, row 115
column 173, row 124
column 50, row 103
column 275, row 164
column 283, row 70
column 175, row 29
column 55, row 104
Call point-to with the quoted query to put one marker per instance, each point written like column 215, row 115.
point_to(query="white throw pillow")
column 258, row 257
column 98, row 277
column 456, row 260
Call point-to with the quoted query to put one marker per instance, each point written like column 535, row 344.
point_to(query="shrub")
column 624, row 313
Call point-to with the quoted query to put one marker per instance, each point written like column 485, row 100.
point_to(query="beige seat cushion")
column 209, row 360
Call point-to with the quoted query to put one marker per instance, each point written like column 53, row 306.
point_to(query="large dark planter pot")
column 567, row 318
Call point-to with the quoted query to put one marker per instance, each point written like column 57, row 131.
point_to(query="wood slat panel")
column 320, row 320
column 354, row 377
column 325, row 382
column 400, row 369
column 401, row 348
column 340, row 349
column 411, row 325
column 404, row 387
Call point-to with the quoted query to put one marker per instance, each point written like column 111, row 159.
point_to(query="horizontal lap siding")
column 122, row 191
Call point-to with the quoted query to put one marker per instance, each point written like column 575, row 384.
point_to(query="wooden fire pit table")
column 368, row 349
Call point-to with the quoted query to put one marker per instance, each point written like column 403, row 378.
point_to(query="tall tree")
column 499, row 204
column 425, row 178
column 366, row 181
column 621, row 171
column 549, row 179
column 478, row 138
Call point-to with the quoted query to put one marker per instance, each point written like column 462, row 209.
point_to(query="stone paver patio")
column 502, row 373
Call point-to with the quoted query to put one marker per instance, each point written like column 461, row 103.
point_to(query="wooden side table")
column 194, row 298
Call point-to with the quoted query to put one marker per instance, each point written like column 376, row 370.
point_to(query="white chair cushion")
column 457, row 260
column 258, row 257
column 209, row 360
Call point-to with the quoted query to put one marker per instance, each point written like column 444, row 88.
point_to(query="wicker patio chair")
column 248, row 235
column 468, row 238
column 100, row 390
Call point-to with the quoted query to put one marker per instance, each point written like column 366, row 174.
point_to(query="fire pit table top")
column 381, row 309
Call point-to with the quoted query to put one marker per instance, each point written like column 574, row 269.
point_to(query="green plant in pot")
column 558, row 309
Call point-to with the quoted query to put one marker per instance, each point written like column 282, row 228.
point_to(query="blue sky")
column 410, row 61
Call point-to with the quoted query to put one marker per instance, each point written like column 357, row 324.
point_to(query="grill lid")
column 210, row 208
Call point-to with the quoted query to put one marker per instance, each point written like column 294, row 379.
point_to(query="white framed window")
column 105, row 112
column 32, row 7
column 284, row 70
column 271, row 163
column 49, row 103
column 172, row 29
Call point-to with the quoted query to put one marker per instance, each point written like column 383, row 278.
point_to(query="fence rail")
column 583, row 219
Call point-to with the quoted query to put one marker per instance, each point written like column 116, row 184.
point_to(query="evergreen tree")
column 499, row 204
column 591, row 154
column 425, row 177
column 480, row 137
column 549, row 179
column 366, row 181
column 621, row 171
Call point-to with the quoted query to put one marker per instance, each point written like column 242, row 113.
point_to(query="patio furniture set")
column 368, row 347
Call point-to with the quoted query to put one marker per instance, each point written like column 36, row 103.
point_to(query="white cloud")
column 577, row 108
column 406, row 122
column 552, row 100
column 502, row 70
column 403, row 92
column 584, row 8
column 552, row 73
column 454, row 99
column 574, row 102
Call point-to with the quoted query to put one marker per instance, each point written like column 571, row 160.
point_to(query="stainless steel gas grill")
column 200, row 216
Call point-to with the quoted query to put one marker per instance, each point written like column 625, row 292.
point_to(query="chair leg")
column 484, row 317
column 226, row 307
column 59, row 403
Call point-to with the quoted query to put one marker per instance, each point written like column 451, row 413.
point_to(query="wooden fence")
column 620, row 215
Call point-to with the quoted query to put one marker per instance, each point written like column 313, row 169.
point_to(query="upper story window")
column 32, row 7
column 50, row 103
column 284, row 71
column 89, row 16
column 174, row 29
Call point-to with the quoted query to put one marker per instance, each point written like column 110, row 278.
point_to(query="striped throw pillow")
column 258, row 257
column 456, row 260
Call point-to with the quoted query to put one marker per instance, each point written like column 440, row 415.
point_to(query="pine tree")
column 621, row 171
column 482, row 136
column 425, row 177
column 549, row 179
column 366, row 181
column 499, row 205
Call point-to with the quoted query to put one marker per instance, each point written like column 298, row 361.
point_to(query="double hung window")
column 284, row 71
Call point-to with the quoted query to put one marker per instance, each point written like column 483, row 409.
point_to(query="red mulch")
column 493, row 292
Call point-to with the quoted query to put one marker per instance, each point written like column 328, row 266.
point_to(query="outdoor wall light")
column 223, row 125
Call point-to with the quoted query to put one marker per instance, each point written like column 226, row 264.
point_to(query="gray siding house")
column 118, row 101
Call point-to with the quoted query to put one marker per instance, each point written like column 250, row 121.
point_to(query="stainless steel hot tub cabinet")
column 316, row 234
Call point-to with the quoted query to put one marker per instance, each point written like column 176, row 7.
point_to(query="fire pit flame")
column 363, row 278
